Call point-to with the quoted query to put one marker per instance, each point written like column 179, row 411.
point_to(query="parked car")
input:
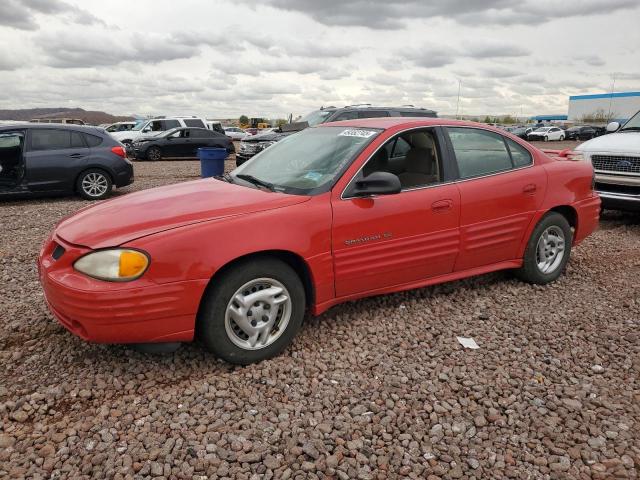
column 583, row 132
column 616, row 160
column 178, row 143
column 333, row 213
column 547, row 134
column 40, row 159
column 252, row 145
column 522, row 132
column 252, row 131
column 235, row 133
column 157, row 125
column 215, row 126
column 120, row 126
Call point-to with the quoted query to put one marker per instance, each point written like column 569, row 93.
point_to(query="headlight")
column 116, row 265
column 264, row 145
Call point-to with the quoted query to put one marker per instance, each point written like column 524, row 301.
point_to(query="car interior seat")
column 420, row 168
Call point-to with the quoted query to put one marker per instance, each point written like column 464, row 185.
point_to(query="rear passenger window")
column 92, row 140
column 479, row 152
column 520, row 155
column 372, row 113
column 77, row 141
column 346, row 116
column 194, row 122
column 45, row 139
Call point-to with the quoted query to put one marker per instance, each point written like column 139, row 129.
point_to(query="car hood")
column 267, row 137
column 627, row 142
column 143, row 213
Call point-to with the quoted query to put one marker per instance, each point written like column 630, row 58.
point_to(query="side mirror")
column 613, row 127
column 377, row 183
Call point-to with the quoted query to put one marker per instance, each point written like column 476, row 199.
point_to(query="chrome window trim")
column 459, row 180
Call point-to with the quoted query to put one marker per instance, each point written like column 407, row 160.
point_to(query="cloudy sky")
column 275, row 57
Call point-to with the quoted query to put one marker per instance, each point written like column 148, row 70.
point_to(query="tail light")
column 119, row 151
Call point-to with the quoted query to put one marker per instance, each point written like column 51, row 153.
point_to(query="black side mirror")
column 376, row 183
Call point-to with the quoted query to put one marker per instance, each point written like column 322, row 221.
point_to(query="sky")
column 222, row 59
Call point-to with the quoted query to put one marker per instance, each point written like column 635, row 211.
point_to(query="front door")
column 53, row 158
column 500, row 191
column 383, row 241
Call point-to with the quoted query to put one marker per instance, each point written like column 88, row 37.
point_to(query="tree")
column 599, row 116
column 244, row 120
column 280, row 121
column 487, row 119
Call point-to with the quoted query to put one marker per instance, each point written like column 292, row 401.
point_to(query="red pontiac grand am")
column 333, row 213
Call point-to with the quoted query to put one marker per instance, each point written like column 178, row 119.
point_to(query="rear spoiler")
column 566, row 154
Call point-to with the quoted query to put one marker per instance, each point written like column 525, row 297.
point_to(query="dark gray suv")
column 255, row 144
column 42, row 159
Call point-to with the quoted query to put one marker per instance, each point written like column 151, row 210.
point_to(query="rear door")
column 53, row 158
column 500, row 191
column 11, row 164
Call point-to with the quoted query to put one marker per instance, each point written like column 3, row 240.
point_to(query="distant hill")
column 90, row 117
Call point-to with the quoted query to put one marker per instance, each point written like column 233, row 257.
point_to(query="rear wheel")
column 154, row 154
column 252, row 312
column 547, row 251
column 94, row 184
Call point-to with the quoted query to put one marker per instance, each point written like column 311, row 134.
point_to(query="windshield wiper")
column 256, row 181
column 227, row 178
column 630, row 129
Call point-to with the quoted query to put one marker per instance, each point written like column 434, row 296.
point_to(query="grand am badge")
column 368, row 238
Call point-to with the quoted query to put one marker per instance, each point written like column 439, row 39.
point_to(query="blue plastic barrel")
column 211, row 161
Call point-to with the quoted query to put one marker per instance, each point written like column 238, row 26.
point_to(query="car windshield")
column 305, row 163
column 139, row 125
column 317, row 117
column 168, row 133
column 633, row 123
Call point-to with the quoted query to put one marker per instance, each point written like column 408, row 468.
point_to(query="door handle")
column 442, row 205
column 77, row 155
column 529, row 189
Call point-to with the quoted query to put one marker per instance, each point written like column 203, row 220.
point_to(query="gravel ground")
column 377, row 388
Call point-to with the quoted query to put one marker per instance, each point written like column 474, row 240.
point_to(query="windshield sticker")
column 357, row 133
column 315, row 176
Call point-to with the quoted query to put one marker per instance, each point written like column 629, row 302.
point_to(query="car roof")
column 49, row 126
column 392, row 122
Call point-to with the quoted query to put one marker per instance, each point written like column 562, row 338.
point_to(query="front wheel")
column 154, row 154
column 94, row 184
column 547, row 251
column 252, row 312
column 561, row 137
column 546, row 139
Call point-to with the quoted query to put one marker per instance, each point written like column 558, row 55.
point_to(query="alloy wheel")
column 550, row 249
column 258, row 313
column 95, row 184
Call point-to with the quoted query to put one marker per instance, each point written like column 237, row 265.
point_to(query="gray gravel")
column 377, row 388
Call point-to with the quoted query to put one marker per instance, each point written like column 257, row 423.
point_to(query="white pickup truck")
column 616, row 161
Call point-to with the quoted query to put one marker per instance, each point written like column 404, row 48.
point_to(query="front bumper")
column 141, row 311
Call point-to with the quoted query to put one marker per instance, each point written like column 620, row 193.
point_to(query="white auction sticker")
column 357, row 133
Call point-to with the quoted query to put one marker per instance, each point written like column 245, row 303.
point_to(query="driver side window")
column 413, row 157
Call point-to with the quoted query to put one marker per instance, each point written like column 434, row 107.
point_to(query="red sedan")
column 333, row 213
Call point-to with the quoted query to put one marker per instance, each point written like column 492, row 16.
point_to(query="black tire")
column 211, row 322
column 561, row 137
column 94, row 184
column 546, row 139
column 154, row 154
column 530, row 272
